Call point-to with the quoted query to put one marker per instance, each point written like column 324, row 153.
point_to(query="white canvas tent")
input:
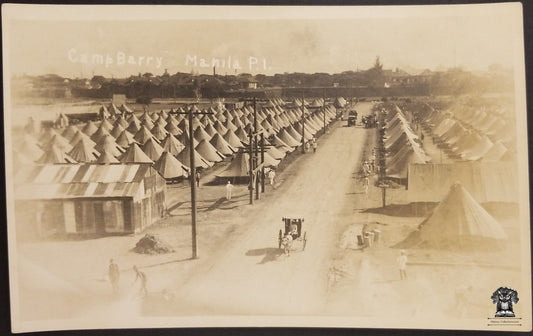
column 457, row 222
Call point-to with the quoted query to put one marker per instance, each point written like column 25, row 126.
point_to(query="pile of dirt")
column 149, row 244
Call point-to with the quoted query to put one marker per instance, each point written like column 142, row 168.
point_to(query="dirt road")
column 250, row 276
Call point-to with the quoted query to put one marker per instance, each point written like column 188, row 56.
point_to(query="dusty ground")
column 241, row 271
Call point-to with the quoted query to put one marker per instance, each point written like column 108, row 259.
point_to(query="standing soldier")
column 366, row 168
column 114, row 275
column 366, row 182
column 271, row 176
column 229, row 189
column 142, row 277
column 402, row 264
column 198, row 178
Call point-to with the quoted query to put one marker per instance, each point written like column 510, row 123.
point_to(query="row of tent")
column 339, row 102
column 402, row 145
column 113, row 110
column 162, row 138
column 472, row 135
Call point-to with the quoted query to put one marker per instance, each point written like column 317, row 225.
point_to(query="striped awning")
column 81, row 181
column 79, row 173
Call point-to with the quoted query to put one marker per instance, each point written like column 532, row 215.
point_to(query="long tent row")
column 491, row 139
column 402, row 145
column 109, row 177
column 284, row 131
column 162, row 139
column 483, row 165
column 113, row 110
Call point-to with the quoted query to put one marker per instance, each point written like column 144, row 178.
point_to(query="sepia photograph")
column 266, row 166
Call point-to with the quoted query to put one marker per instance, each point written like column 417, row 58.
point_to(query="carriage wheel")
column 305, row 240
column 279, row 239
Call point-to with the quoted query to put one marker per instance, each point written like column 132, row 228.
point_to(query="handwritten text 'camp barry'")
column 119, row 58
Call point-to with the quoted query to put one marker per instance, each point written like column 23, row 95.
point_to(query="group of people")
column 113, row 273
column 367, row 170
column 229, row 187
column 369, row 121
column 311, row 143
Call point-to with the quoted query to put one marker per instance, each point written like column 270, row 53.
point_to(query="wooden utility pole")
column 262, row 162
column 381, row 158
column 324, row 109
column 256, row 149
column 251, row 174
column 193, row 188
column 253, row 150
column 303, row 123
column 192, row 175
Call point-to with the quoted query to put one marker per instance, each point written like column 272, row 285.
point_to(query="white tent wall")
column 486, row 181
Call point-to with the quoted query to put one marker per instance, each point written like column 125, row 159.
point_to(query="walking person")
column 142, row 277
column 366, row 182
column 229, row 189
column 402, row 264
column 271, row 176
column 198, row 175
column 114, row 275
column 314, row 146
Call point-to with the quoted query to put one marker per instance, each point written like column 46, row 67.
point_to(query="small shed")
column 89, row 199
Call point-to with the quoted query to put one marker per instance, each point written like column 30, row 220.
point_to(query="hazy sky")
column 272, row 46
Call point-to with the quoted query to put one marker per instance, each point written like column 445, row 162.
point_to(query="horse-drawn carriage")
column 291, row 233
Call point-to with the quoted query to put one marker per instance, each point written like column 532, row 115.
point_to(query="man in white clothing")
column 402, row 263
column 229, row 189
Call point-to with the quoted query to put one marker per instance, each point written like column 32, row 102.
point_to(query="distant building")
column 88, row 199
column 248, row 83
column 399, row 77
column 118, row 99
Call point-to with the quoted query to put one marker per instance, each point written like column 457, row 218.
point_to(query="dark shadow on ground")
column 220, row 204
column 414, row 209
column 177, row 205
column 270, row 254
column 234, row 196
column 356, row 193
column 358, row 248
column 168, row 262
column 229, row 208
column 221, row 181
column 215, row 205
